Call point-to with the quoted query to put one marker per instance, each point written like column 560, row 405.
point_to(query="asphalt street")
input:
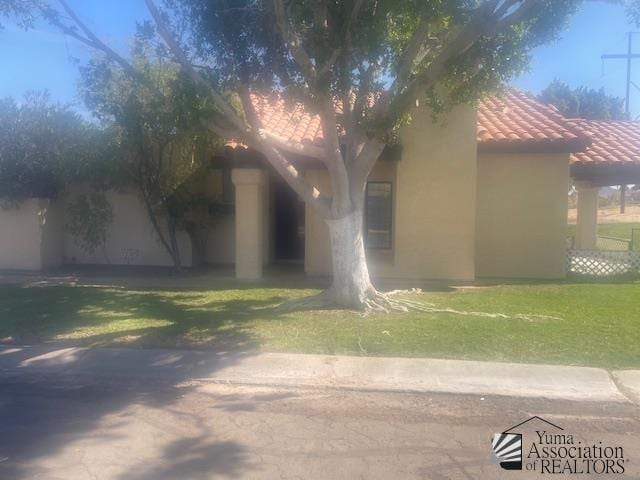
column 73, row 427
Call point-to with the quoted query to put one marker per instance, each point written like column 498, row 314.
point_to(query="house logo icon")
column 507, row 446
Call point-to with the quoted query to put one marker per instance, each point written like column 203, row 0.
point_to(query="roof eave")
column 560, row 146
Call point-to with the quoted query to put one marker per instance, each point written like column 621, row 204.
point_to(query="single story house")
column 479, row 193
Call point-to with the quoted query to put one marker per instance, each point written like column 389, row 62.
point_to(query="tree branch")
column 99, row 44
column 268, row 144
column 333, row 158
column 195, row 76
column 484, row 22
column 292, row 40
column 360, row 169
column 92, row 40
column 274, row 141
column 308, row 193
column 247, row 105
column 515, row 16
column 410, row 54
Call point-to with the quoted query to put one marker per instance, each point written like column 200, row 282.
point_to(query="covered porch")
column 613, row 159
column 588, row 182
column 266, row 230
column 269, row 224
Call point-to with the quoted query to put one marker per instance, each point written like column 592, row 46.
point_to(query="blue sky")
column 43, row 59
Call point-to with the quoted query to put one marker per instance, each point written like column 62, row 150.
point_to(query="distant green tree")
column 582, row 102
column 43, row 147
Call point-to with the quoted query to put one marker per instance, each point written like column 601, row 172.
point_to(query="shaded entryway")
column 288, row 224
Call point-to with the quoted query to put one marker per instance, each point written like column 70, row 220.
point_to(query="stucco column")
column 587, row 223
column 249, row 184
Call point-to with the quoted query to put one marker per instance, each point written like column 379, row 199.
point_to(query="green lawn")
column 617, row 230
column 598, row 324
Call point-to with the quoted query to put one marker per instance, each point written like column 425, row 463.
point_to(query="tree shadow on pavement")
column 66, row 427
column 193, row 458
column 46, row 417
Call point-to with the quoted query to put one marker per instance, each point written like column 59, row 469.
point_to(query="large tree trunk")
column 351, row 286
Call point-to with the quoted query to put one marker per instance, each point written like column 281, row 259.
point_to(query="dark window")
column 378, row 215
column 220, row 187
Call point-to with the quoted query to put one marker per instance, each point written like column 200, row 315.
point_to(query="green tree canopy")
column 44, row 146
column 583, row 102
column 158, row 122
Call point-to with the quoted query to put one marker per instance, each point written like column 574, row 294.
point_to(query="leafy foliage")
column 163, row 145
column 89, row 218
column 43, row 147
column 583, row 102
column 239, row 40
column 24, row 12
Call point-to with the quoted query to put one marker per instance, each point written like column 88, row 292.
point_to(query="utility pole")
column 629, row 56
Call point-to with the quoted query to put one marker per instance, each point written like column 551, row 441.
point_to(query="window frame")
column 388, row 247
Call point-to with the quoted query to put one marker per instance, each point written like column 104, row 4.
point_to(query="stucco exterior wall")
column 52, row 231
column 30, row 235
column 434, row 204
column 221, row 240
column 131, row 238
column 522, row 215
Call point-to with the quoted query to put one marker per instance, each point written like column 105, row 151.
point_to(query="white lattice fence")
column 613, row 243
column 602, row 263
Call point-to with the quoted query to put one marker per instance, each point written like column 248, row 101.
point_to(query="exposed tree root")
column 321, row 301
column 388, row 302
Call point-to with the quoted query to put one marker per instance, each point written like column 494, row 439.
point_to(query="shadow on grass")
column 111, row 316
column 45, row 418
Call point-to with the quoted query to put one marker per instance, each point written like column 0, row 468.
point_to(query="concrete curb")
column 366, row 373
column 628, row 382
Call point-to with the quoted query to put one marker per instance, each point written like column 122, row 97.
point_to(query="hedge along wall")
column 31, row 235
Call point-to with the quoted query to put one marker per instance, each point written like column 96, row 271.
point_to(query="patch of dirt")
column 611, row 214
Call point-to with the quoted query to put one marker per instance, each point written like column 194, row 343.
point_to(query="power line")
column 629, row 56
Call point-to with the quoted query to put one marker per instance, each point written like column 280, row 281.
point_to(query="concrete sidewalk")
column 361, row 373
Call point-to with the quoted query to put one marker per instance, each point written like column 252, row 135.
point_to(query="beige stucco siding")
column 221, row 240
column 434, row 188
column 131, row 238
column 522, row 215
column 30, row 235
column 52, row 231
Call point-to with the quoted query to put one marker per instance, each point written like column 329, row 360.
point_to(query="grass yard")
column 597, row 324
column 617, row 230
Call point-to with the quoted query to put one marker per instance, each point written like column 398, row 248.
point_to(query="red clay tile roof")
column 509, row 122
column 514, row 121
column 612, row 143
column 289, row 122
